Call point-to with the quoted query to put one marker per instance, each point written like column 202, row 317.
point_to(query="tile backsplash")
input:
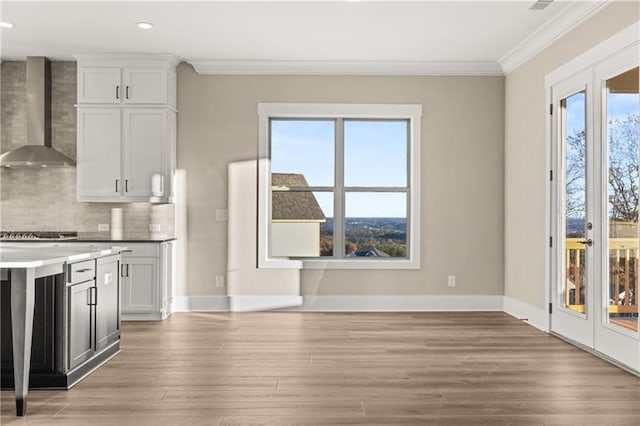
column 45, row 199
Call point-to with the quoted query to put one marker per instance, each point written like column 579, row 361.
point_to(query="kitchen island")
column 77, row 268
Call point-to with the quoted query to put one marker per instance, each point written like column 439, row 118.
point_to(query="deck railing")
column 623, row 278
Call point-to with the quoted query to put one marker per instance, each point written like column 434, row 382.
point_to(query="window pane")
column 304, row 147
column 574, row 150
column 375, row 153
column 623, row 110
column 299, row 223
column 376, row 224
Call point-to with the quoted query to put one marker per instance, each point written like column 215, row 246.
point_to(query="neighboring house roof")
column 290, row 205
column 368, row 251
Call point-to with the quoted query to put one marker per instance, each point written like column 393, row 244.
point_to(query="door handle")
column 588, row 242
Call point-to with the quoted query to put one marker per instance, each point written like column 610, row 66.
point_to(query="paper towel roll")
column 157, row 185
column 116, row 224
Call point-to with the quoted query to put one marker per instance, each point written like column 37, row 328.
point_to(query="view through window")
column 339, row 187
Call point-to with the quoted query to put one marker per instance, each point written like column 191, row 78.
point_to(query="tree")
column 624, row 185
column 623, row 181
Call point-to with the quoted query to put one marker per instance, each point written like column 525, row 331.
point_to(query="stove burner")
column 37, row 235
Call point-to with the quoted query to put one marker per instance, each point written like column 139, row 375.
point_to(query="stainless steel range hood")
column 38, row 151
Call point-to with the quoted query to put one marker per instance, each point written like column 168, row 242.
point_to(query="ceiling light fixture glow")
column 144, row 25
column 6, row 24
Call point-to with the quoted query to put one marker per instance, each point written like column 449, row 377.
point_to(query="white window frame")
column 410, row 112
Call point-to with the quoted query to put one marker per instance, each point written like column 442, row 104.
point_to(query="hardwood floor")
column 341, row 369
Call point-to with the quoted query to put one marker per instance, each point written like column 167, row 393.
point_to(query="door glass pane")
column 573, row 136
column 623, row 193
column 304, row 147
column 375, row 153
column 375, row 224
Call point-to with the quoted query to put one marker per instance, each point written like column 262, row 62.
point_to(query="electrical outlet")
column 154, row 227
column 451, row 280
column 222, row 215
column 219, row 280
column 103, row 227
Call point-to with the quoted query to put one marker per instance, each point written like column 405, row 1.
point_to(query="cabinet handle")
column 126, row 185
column 92, row 296
column 117, row 92
column 117, row 181
column 128, row 269
column 127, row 92
column 84, row 270
column 95, row 295
column 122, row 270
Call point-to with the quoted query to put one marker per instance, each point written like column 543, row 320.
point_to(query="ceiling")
column 410, row 37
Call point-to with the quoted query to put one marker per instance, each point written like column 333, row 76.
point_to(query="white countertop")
column 33, row 257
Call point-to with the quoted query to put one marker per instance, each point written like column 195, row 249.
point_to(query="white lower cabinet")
column 147, row 277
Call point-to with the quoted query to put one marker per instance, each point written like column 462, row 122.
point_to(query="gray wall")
column 45, row 199
column 526, row 174
column 462, row 173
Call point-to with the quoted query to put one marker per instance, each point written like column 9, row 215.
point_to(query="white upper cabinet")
column 99, row 85
column 146, row 86
column 126, row 127
column 145, row 149
column 127, row 79
column 99, row 165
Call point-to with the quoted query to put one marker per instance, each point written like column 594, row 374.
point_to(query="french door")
column 596, row 194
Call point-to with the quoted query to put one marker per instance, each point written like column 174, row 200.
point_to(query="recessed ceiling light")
column 144, row 25
column 6, row 24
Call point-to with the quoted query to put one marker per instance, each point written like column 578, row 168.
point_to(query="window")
column 339, row 185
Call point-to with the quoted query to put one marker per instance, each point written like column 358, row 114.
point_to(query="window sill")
column 283, row 263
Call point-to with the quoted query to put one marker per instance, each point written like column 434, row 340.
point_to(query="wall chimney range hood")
column 38, row 151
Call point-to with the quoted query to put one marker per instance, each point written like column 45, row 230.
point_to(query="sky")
column 375, row 154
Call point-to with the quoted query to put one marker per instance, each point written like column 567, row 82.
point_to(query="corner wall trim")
column 262, row 303
column 416, row 303
column 200, row 304
column 532, row 315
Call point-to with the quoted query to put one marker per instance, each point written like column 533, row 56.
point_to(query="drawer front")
column 82, row 271
column 142, row 250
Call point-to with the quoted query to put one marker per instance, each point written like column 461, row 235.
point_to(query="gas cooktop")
column 38, row 235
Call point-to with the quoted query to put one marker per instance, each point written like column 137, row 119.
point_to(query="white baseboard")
column 352, row 303
column 533, row 315
column 200, row 304
column 262, row 303
column 382, row 303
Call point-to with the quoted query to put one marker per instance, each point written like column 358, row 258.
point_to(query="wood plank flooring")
column 340, row 369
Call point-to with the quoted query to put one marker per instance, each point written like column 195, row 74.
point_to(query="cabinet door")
column 145, row 86
column 107, row 301
column 99, row 85
column 140, row 289
column 99, row 155
column 81, row 323
column 145, row 149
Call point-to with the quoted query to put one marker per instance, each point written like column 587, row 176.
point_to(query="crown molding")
column 488, row 68
column 572, row 16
